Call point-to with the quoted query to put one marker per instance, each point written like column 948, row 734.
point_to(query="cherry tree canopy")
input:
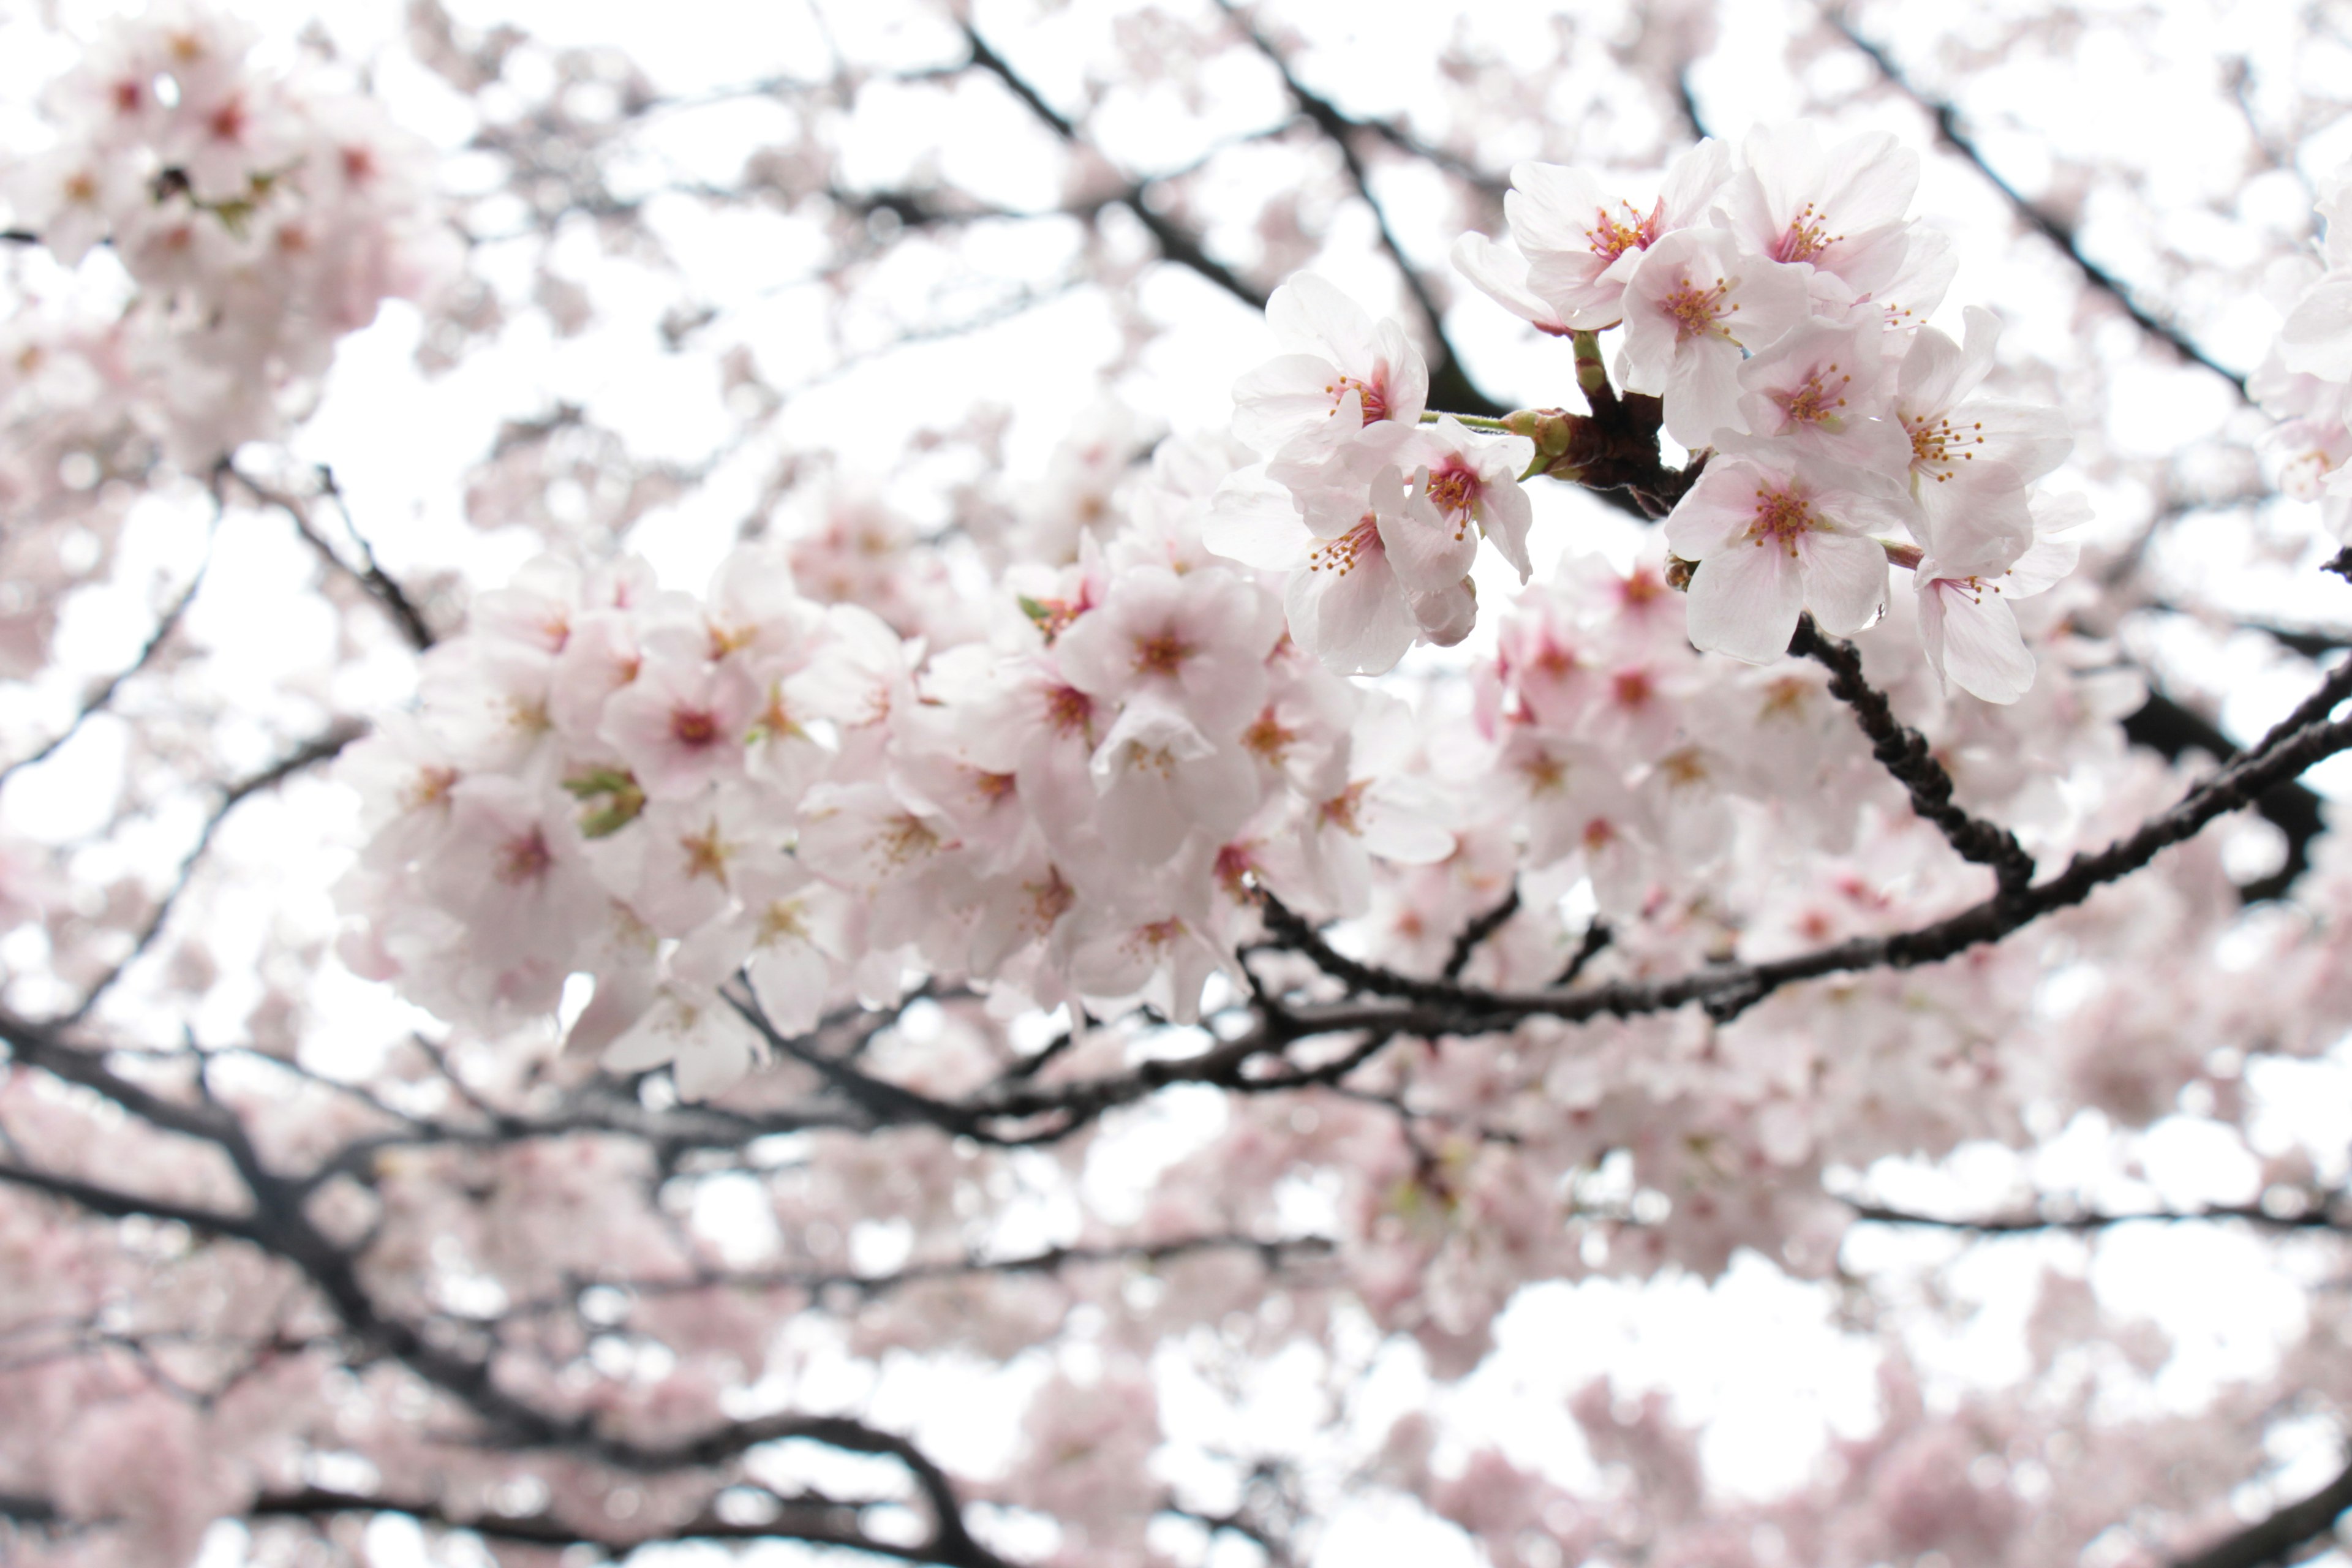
column 1175, row 784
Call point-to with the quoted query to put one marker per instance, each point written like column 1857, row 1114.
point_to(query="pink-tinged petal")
column 1312, row 314
column 1983, row 653
column 2031, row 439
column 2316, row 338
column 1407, row 376
column 1744, row 601
column 1845, row 580
column 1692, row 180
column 1423, row 549
column 1552, row 208
column 1716, row 512
column 1509, row 517
column 1446, row 616
column 1282, row 398
column 1702, row 393
column 1254, row 520
column 1930, row 379
column 1356, row 622
column 1876, row 184
column 1501, row 274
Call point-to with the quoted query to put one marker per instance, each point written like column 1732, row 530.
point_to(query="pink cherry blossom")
column 1773, row 540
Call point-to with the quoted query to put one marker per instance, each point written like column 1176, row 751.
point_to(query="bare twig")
column 2051, row 227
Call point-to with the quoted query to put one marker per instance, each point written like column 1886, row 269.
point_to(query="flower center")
column 1068, row 709
column 1341, row 811
column 1783, row 516
column 1454, row 489
column 1338, row 555
column 1373, row 395
column 1696, row 311
column 694, row 727
column 1049, row 901
column 1267, row 738
column 1817, row 400
column 904, row 839
column 1161, row 654
column 525, row 859
column 1610, row 239
column 1807, row 237
column 1939, row 443
column 706, row 853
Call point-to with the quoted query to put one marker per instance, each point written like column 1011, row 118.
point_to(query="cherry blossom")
column 1694, row 308
column 1774, row 540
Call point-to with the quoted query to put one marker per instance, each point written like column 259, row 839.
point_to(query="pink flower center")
column 1049, row 901
column 1342, row 810
column 1373, row 395
column 1267, row 738
column 1610, row 239
column 1696, row 311
column 1939, row 443
column 1161, row 654
column 1455, row 491
column 694, row 727
column 1338, row 555
column 525, row 859
column 1068, row 709
column 1807, row 237
column 1817, row 401
column 1784, row 516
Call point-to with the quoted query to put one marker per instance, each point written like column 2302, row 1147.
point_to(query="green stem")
column 1474, row 421
column 1591, row 375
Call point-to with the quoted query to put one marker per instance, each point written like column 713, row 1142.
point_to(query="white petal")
column 1845, row 580
column 1744, row 601
column 1983, row 653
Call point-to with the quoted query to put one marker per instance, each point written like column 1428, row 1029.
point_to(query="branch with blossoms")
column 791, row 865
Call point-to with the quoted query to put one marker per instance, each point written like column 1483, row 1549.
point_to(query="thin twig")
column 100, row 700
column 2051, row 227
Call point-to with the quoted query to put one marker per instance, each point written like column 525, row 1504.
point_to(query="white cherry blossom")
column 1696, row 306
column 1773, row 540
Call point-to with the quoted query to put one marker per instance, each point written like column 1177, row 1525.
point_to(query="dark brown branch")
column 113, row 1204
column 2173, row 730
column 371, row 578
column 308, row 755
column 2054, row 229
column 1596, row 939
column 1466, row 942
column 819, row 1283
column 2279, row 1537
column 1904, row 753
column 1727, row 990
column 1177, row 244
column 2317, row 1217
column 1450, row 385
column 100, row 699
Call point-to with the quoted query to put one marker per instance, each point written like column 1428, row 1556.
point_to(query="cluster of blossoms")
column 660, row 792
column 235, row 221
column 258, row 216
column 1777, row 312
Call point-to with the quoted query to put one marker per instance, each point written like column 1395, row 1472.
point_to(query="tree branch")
column 304, row 756
column 1905, row 753
column 2056, row 230
column 1450, row 385
column 2276, row 1537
